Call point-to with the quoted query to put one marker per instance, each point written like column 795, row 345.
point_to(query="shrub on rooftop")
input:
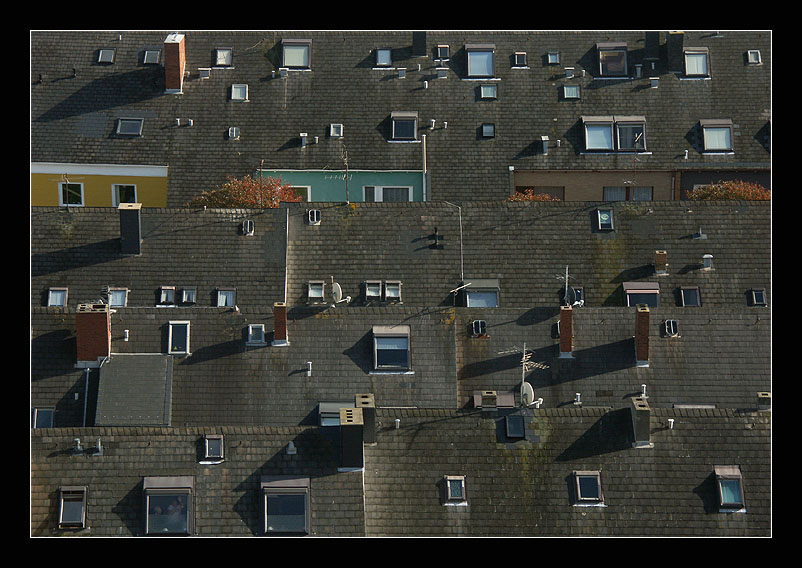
column 530, row 195
column 732, row 190
column 246, row 193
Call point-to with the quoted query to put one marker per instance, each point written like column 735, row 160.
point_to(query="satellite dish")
column 527, row 394
column 337, row 292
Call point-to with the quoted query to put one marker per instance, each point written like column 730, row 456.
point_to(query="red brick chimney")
column 566, row 331
column 280, row 324
column 174, row 63
column 93, row 333
column 642, row 336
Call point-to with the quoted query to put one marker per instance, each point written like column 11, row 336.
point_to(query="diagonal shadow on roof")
column 75, row 257
column 610, row 433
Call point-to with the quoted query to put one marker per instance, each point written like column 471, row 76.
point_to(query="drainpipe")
column 424, row 165
column 86, row 392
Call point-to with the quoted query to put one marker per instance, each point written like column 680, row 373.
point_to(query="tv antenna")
column 569, row 299
column 527, row 393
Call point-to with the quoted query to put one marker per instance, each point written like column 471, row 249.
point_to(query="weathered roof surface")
column 135, row 390
column 73, row 115
column 523, row 487
column 227, row 495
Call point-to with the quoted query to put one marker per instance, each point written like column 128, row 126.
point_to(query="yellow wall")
column 150, row 182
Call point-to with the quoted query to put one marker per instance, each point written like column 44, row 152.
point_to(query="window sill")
column 389, row 372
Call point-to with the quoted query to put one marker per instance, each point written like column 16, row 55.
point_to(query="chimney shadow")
column 611, row 433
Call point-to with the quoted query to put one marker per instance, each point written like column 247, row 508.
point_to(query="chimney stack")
column 676, row 60
column 419, row 44
column 351, row 436
column 130, row 228
column 368, row 405
column 641, row 423
column 174, row 63
column 642, row 335
column 280, row 338
column 566, row 332
column 93, row 334
column 661, row 262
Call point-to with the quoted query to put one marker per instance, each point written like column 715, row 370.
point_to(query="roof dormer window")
column 384, row 57
column 717, row 135
column 753, row 57
column 480, row 60
column 296, row 53
column 404, row 126
column 223, row 57
column 697, row 62
column 454, row 489
column 612, row 59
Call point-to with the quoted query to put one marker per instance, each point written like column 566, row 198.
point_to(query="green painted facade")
column 330, row 185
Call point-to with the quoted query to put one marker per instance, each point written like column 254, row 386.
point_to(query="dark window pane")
column 588, row 487
column 286, row 513
column 167, row 514
column 404, row 129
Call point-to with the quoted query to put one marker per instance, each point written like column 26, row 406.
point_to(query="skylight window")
column 167, row 296
column 188, row 295
column 391, row 347
column 454, row 489
column 130, row 126
column 717, row 135
column 488, row 130
column 296, row 53
column 72, row 507
column 757, row 297
column 482, row 293
column 519, row 59
column 690, row 296
column 151, row 56
column 443, row 52
column 239, row 92
column 480, row 60
column 488, row 91
column 336, row 130
column 598, row 133
column 753, row 57
column 106, row 55
column 315, row 291
column 587, row 485
column 604, row 220
column 696, row 62
column 118, row 297
column 570, row 91
column 612, row 59
column 256, row 334
column 729, row 483
column 169, row 505
column 383, row 57
column 553, row 57
column 178, row 338
column 223, row 57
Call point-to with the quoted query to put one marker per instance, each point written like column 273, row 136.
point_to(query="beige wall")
column 589, row 186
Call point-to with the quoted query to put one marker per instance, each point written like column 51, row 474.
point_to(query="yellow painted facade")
column 97, row 185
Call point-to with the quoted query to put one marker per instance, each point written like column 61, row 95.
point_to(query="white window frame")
column 294, row 44
column 488, row 130
column 440, row 48
column 72, row 493
column 286, row 485
column 223, row 57
column 123, row 120
column 378, row 192
column 209, row 455
column 236, row 88
column 171, row 325
column 568, row 96
column 754, row 298
column 392, row 332
column 753, row 57
column 106, row 55
column 148, row 57
column 370, row 286
column 519, row 60
column 336, row 130
column 185, row 295
column 488, row 92
column 50, row 291
column 601, row 222
column 710, row 126
column 595, row 124
column 164, row 294
column 45, row 411
column 695, row 53
column 384, row 57
column 729, row 473
column 476, row 49
column 222, row 294
column 314, row 298
column 393, row 285
column 115, row 193
column 450, row 498
column 403, row 116
column 61, row 188
column 553, row 57
column 256, row 334
column 125, row 296
column 585, row 500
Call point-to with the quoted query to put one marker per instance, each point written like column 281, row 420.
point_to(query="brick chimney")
column 130, row 228
column 661, row 262
column 174, row 63
column 93, row 334
column 642, row 336
column 280, row 338
column 566, row 332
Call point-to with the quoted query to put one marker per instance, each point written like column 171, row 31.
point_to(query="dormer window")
column 757, row 297
column 488, row 130
column 598, row 132
column 169, row 505
column 480, row 60
column 696, row 62
column 689, row 296
column 570, row 91
column 226, row 297
column 296, row 53
column 256, row 334
column 404, row 125
column 118, row 297
column 612, row 59
column 519, row 59
column 638, row 293
column 167, row 296
column 213, row 447
column 286, row 505
column 384, row 57
column 631, row 132
column 553, row 57
column 57, row 297
column 391, row 347
column 717, row 135
column 188, row 295
column 482, row 293
column 488, row 92
column 336, row 130
column 373, row 290
column 316, row 291
column 443, row 52
column 392, row 291
column 223, row 57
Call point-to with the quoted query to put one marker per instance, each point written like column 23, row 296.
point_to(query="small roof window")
column 57, row 297
column 753, row 57
column 256, row 334
column 226, row 297
column 480, row 59
column 717, row 135
column 443, row 52
column 118, row 297
column 612, row 59
column 587, row 485
column 336, row 130
column 315, row 291
column 166, row 296
column 404, row 125
column 482, row 293
column 130, row 126
column 239, row 92
column 296, row 53
column 454, row 486
column 570, row 91
column 488, row 91
column 690, row 296
column 638, row 293
column 391, row 347
column 213, row 447
column 696, row 62
column 604, row 220
column 519, row 59
column 72, row 507
column 223, row 57
column 729, row 483
column 106, row 55
column 384, row 57
column 553, row 57
column 151, row 56
column 488, row 130
column 757, row 297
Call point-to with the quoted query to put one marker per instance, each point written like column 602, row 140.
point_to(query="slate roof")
column 73, row 114
column 522, row 487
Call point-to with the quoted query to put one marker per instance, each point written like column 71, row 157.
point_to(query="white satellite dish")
column 337, row 292
column 527, row 394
